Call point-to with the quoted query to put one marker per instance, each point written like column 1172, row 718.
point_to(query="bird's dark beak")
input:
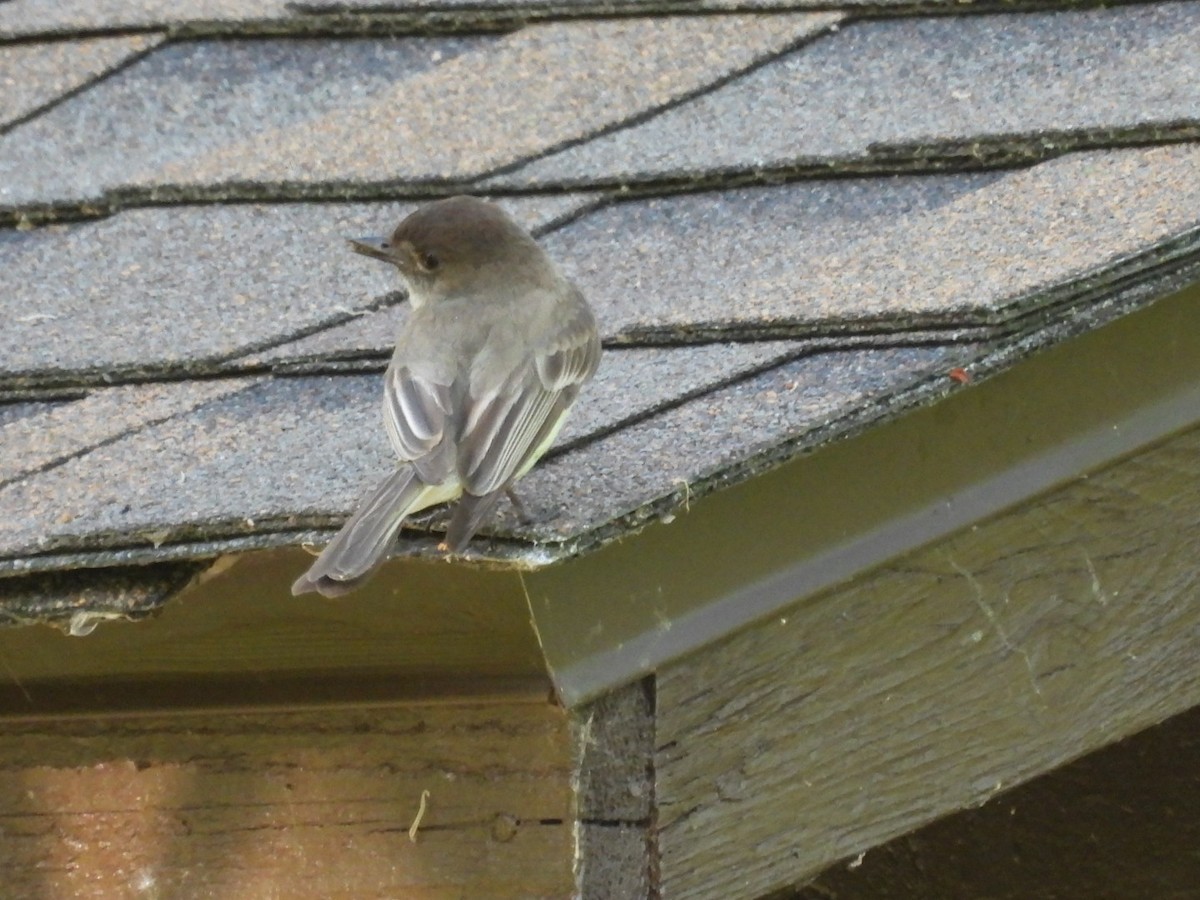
column 376, row 247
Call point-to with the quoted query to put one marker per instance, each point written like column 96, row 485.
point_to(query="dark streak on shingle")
column 35, row 76
column 16, row 412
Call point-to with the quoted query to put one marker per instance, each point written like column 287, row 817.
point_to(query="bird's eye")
column 429, row 262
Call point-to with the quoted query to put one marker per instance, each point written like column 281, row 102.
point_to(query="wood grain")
column 934, row 682
column 298, row 804
column 613, row 739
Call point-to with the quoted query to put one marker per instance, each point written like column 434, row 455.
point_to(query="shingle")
column 835, row 256
column 195, row 97
column 25, row 18
column 159, row 287
column 55, row 432
column 32, row 18
column 79, row 600
column 154, row 478
column 176, row 288
column 530, row 91
column 688, row 450
column 35, row 75
column 11, row 413
column 367, row 336
column 914, row 84
column 254, row 459
column 637, row 382
column 324, row 113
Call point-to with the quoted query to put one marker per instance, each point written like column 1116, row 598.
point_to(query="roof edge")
column 822, row 519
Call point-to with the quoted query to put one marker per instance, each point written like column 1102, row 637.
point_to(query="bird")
column 487, row 365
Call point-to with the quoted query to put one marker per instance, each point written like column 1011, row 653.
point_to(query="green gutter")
column 741, row 554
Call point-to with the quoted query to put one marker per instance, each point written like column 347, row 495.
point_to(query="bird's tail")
column 363, row 543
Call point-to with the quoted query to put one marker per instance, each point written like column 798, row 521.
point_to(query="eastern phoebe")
column 492, row 357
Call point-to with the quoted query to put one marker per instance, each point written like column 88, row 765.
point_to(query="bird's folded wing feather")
column 510, row 422
column 414, row 412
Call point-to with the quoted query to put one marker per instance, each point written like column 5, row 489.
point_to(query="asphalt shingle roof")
column 920, row 93
column 49, row 18
column 34, row 75
column 200, row 285
column 791, row 222
column 891, row 254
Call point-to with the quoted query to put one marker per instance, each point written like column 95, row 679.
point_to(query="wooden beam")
column 1121, row 822
column 613, row 739
column 933, row 682
column 320, row 803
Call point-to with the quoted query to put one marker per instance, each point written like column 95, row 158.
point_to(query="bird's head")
column 447, row 247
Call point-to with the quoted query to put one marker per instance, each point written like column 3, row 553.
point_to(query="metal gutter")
column 743, row 554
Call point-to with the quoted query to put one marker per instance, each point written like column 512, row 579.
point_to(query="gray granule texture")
column 707, row 257
column 527, row 92
column 822, row 256
column 58, row 431
column 293, row 446
column 34, row 75
column 48, row 17
column 916, row 82
column 193, row 98
column 633, row 383
column 238, row 458
column 372, row 333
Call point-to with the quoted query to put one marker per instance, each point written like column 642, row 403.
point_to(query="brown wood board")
column 315, row 803
column 934, row 682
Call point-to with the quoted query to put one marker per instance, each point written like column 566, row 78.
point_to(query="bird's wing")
column 415, row 410
column 512, row 416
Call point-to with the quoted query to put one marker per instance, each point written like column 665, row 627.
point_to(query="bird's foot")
column 522, row 513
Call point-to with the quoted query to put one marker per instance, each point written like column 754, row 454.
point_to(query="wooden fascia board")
column 945, row 675
column 933, row 682
column 421, row 630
